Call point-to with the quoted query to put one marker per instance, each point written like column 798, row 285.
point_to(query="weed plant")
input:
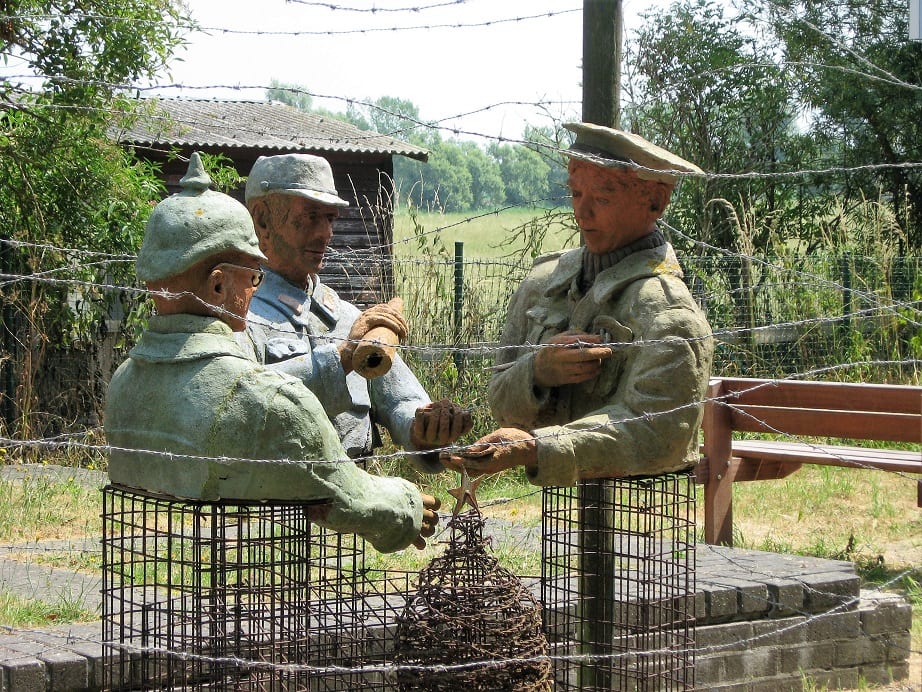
column 28, row 612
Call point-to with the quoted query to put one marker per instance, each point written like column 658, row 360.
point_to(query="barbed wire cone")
column 472, row 624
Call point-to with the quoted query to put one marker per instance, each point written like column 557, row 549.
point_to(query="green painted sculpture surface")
column 191, row 415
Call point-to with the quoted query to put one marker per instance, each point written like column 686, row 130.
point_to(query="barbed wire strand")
column 894, row 308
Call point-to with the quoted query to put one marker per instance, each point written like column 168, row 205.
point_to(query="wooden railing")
column 789, row 409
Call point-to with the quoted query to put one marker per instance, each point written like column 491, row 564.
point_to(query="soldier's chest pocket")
column 281, row 348
column 544, row 322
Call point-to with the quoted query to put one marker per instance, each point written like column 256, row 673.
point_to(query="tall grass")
column 38, row 508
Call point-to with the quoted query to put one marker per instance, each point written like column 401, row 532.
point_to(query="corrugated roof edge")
column 243, row 124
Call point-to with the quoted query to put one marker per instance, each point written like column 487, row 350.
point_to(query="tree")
column 487, row 187
column 702, row 88
column 396, row 117
column 548, row 143
column 525, row 173
column 859, row 75
column 444, row 183
column 290, row 94
column 69, row 196
column 87, row 49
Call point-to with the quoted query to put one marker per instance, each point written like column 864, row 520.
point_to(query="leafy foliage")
column 858, row 75
column 69, row 196
column 86, row 48
column 704, row 89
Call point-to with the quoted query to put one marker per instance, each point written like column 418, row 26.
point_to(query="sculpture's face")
column 613, row 206
column 240, row 278
column 221, row 286
column 296, row 236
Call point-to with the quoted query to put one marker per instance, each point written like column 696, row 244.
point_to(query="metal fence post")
column 458, row 304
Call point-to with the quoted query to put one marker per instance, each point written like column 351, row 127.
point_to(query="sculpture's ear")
column 659, row 198
column 259, row 211
column 215, row 287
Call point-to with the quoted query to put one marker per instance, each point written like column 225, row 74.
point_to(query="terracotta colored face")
column 614, row 207
column 219, row 287
column 241, row 278
column 299, row 234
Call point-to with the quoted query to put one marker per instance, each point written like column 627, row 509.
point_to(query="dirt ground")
column 911, row 684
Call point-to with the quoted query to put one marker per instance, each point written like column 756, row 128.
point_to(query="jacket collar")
column 639, row 265
column 174, row 338
column 294, row 302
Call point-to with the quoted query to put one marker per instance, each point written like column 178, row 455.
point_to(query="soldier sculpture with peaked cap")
column 610, row 355
column 299, row 325
column 191, row 415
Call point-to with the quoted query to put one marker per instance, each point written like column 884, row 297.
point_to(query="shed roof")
column 264, row 125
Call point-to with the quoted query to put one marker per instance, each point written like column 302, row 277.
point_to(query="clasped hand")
column 497, row 451
column 569, row 358
column 430, row 520
column 380, row 315
column 439, row 423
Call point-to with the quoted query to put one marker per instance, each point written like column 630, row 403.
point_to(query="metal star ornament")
column 465, row 493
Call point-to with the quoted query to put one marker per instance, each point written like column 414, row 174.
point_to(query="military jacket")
column 641, row 415
column 298, row 332
column 191, row 415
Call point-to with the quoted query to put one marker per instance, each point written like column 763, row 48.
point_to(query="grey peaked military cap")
column 302, row 175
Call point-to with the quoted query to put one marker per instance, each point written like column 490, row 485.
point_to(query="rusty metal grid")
column 472, row 624
column 215, row 596
column 618, row 583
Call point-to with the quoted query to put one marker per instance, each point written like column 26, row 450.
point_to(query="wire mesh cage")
column 618, row 583
column 230, row 596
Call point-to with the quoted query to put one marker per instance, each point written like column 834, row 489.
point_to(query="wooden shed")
column 358, row 266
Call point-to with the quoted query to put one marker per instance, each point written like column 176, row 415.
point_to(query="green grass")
column 490, row 235
column 20, row 612
column 38, row 508
column 832, row 512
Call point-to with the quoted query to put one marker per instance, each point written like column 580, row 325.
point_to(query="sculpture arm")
column 394, row 400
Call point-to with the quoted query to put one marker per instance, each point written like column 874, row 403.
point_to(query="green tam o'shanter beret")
column 192, row 225
column 611, row 148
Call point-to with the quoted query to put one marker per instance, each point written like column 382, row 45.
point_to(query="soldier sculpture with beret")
column 609, row 355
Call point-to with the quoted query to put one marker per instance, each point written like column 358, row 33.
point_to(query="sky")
column 463, row 63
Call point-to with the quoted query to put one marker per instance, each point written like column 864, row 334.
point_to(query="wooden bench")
column 798, row 408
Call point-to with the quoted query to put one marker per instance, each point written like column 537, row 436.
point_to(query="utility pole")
column 602, row 28
column 602, row 24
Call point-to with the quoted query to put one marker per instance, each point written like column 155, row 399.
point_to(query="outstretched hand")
column 569, row 358
column 439, row 423
column 430, row 520
column 497, row 451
